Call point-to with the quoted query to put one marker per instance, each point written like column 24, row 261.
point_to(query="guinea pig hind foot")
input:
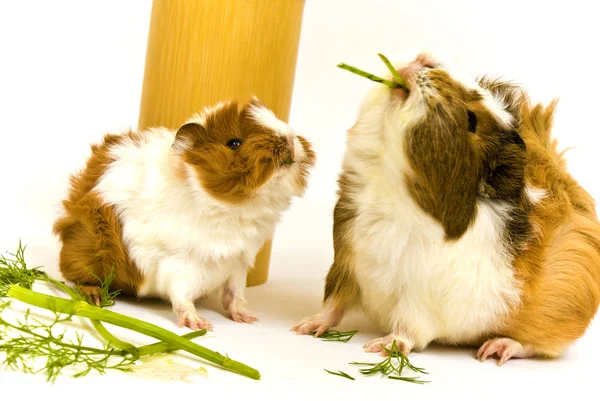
column 504, row 349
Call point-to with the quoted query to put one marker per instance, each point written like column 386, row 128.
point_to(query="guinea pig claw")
column 504, row 349
column 193, row 321
column 243, row 317
column 379, row 345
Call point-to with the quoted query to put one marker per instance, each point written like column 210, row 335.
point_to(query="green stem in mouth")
column 398, row 82
column 395, row 73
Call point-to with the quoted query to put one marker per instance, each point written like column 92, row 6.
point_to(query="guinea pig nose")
column 427, row 60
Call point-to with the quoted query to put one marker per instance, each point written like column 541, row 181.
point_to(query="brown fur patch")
column 451, row 166
column 340, row 285
column 235, row 175
column 90, row 231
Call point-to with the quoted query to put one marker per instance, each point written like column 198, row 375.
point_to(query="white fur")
column 534, row 194
column 266, row 117
column 200, row 118
column 498, row 108
column 185, row 243
column 414, row 283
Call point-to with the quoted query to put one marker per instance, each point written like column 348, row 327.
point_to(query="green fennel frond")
column 334, row 335
column 27, row 341
column 392, row 366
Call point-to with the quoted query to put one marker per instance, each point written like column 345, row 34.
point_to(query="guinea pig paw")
column 311, row 325
column 193, row 321
column 378, row 344
column 92, row 293
column 243, row 317
column 504, row 349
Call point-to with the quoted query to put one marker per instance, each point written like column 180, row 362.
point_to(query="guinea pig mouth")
column 401, row 93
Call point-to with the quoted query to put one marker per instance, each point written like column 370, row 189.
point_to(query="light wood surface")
column 201, row 52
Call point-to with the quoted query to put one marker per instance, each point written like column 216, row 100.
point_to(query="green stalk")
column 114, row 341
column 165, row 347
column 368, row 75
column 84, row 309
column 398, row 82
column 102, row 331
column 395, row 73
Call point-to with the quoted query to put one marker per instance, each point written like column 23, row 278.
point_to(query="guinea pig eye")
column 472, row 121
column 234, row 143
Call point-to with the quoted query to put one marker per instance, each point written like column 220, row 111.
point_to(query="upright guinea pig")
column 180, row 214
column 458, row 223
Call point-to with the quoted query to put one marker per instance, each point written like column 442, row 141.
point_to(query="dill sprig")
column 24, row 341
column 392, row 366
column 398, row 81
column 340, row 373
column 334, row 335
column 14, row 270
column 30, row 339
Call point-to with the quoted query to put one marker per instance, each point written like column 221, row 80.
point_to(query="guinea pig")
column 180, row 214
column 458, row 223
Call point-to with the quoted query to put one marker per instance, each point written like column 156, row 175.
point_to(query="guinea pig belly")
column 414, row 280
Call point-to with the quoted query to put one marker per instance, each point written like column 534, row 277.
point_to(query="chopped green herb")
column 394, row 363
column 334, row 335
column 340, row 373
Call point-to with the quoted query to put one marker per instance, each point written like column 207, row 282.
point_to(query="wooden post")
column 201, row 52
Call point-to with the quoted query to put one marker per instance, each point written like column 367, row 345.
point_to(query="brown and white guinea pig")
column 458, row 223
column 180, row 214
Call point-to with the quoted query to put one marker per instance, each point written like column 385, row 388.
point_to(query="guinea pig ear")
column 504, row 169
column 189, row 135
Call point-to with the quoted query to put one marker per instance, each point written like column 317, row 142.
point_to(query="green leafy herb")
column 30, row 339
column 398, row 82
column 106, row 297
column 14, row 271
column 340, row 373
column 394, row 363
column 26, row 340
column 334, row 335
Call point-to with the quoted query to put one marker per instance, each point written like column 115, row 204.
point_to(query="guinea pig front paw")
column 191, row 319
column 92, row 293
column 316, row 324
column 378, row 344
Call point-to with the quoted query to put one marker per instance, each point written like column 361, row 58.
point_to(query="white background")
column 72, row 70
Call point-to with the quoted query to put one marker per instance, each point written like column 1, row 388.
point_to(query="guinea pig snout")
column 423, row 61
